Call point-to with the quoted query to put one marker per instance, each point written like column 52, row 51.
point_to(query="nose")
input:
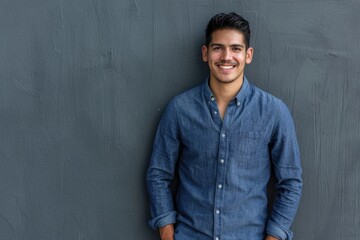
column 226, row 54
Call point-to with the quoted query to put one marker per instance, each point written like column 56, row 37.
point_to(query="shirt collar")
column 209, row 96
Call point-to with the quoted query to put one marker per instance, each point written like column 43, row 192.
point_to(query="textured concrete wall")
column 83, row 84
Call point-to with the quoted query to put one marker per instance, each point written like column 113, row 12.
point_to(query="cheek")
column 214, row 57
column 241, row 60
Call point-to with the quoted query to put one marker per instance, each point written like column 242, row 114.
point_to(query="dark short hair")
column 228, row 21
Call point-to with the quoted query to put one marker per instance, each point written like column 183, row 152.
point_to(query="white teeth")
column 226, row 67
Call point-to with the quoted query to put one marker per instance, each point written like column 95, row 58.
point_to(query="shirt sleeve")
column 161, row 169
column 285, row 158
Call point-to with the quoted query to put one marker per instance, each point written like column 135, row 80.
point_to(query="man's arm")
column 271, row 238
column 287, row 168
column 161, row 169
column 167, row 232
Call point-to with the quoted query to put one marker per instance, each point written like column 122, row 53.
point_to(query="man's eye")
column 237, row 49
column 216, row 48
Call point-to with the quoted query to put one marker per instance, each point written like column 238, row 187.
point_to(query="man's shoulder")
column 188, row 95
column 262, row 94
column 185, row 101
column 266, row 97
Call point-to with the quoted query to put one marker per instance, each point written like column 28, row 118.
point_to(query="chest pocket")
column 249, row 148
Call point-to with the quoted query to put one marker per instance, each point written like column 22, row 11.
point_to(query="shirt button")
column 238, row 103
column 220, row 186
column 217, row 212
column 215, row 112
column 217, row 238
column 222, row 160
column 223, row 135
column 212, row 99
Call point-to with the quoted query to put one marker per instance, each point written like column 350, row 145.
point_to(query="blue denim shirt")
column 224, row 167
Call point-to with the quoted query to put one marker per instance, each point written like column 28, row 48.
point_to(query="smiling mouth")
column 226, row 67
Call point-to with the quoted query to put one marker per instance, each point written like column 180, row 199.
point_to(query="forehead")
column 227, row 36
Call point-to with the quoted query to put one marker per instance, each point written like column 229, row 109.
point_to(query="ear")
column 204, row 51
column 249, row 55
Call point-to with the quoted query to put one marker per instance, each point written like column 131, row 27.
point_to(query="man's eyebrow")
column 216, row 44
column 237, row 45
column 221, row 45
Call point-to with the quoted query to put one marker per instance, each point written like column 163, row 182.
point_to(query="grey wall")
column 83, row 84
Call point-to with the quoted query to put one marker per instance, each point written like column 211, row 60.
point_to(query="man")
column 225, row 136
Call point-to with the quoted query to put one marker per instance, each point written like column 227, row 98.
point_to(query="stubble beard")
column 221, row 80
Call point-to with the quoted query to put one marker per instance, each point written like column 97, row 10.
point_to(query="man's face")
column 226, row 56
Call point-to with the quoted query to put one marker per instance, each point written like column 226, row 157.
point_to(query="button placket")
column 219, row 186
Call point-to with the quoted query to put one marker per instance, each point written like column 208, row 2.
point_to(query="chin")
column 226, row 80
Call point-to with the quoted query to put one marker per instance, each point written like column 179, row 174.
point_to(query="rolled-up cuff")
column 277, row 231
column 163, row 220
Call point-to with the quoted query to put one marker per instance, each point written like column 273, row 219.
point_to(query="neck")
column 225, row 92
